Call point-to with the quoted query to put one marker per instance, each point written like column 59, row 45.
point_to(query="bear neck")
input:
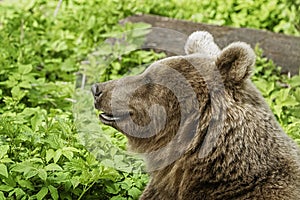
column 231, row 157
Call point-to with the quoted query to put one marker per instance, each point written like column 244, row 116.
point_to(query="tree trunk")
column 170, row 34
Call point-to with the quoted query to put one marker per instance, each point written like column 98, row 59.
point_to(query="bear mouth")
column 108, row 118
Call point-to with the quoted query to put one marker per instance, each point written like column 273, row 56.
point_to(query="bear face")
column 174, row 92
column 204, row 129
column 149, row 108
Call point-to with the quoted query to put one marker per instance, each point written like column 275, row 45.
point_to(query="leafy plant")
column 273, row 15
column 281, row 92
column 42, row 152
column 294, row 5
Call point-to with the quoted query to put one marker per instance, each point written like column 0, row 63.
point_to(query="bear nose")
column 97, row 92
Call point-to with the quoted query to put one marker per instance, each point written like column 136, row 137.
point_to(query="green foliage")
column 274, row 15
column 122, row 56
column 281, row 92
column 294, row 5
column 42, row 151
column 51, row 143
column 49, row 162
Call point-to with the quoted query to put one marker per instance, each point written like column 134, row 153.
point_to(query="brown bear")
column 204, row 129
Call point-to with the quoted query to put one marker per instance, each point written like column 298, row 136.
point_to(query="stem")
column 83, row 81
column 85, row 190
column 22, row 31
column 57, row 8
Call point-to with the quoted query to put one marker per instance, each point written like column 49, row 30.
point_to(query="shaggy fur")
column 219, row 139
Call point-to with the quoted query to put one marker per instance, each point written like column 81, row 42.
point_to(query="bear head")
column 176, row 103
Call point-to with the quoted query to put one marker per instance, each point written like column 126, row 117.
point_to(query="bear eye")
column 147, row 80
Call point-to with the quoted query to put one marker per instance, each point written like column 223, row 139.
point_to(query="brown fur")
column 230, row 146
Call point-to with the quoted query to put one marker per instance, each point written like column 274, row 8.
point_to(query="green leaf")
column 36, row 120
column 297, row 94
column 277, row 110
column 22, row 167
column 10, row 180
column 68, row 65
column 6, row 160
column 112, row 188
column 29, row 5
column 118, row 198
column 108, row 163
column 57, row 155
column 285, row 99
column 126, row 184
column 264, row 86
column 26, row 184
column 75, row 181
column 91, row 22
column 70, row 149
column 295, row 81
column 53, row 192
column 42, row 174
column 55, row 142
column 59, row 45
column 3, row 170
column 3, row 150
column 18, row 193
column 2, row 197
column 289, row 102
column 17, row 93
column 42, row 193
column 31, row 172
column 68, row 154
column 50, row 153
column 134, row 192
column 25, row 69
column 53, row 167
column 6, row 188
column 25, row 84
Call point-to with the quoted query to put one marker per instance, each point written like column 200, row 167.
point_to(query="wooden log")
column 171, row 34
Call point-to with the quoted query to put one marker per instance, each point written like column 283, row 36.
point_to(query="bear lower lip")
column 109, row 118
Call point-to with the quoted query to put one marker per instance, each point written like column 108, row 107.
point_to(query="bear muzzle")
column 106, row 116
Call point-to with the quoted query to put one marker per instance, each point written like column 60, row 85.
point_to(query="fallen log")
column 284, row 50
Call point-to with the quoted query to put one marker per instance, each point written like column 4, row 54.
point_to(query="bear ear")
column 235, row 62
column 201, row 42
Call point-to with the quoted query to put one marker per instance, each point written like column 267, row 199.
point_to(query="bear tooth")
column 109, row 118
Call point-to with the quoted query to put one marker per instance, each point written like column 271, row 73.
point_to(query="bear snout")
column 98, row 94
column 96, row 91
